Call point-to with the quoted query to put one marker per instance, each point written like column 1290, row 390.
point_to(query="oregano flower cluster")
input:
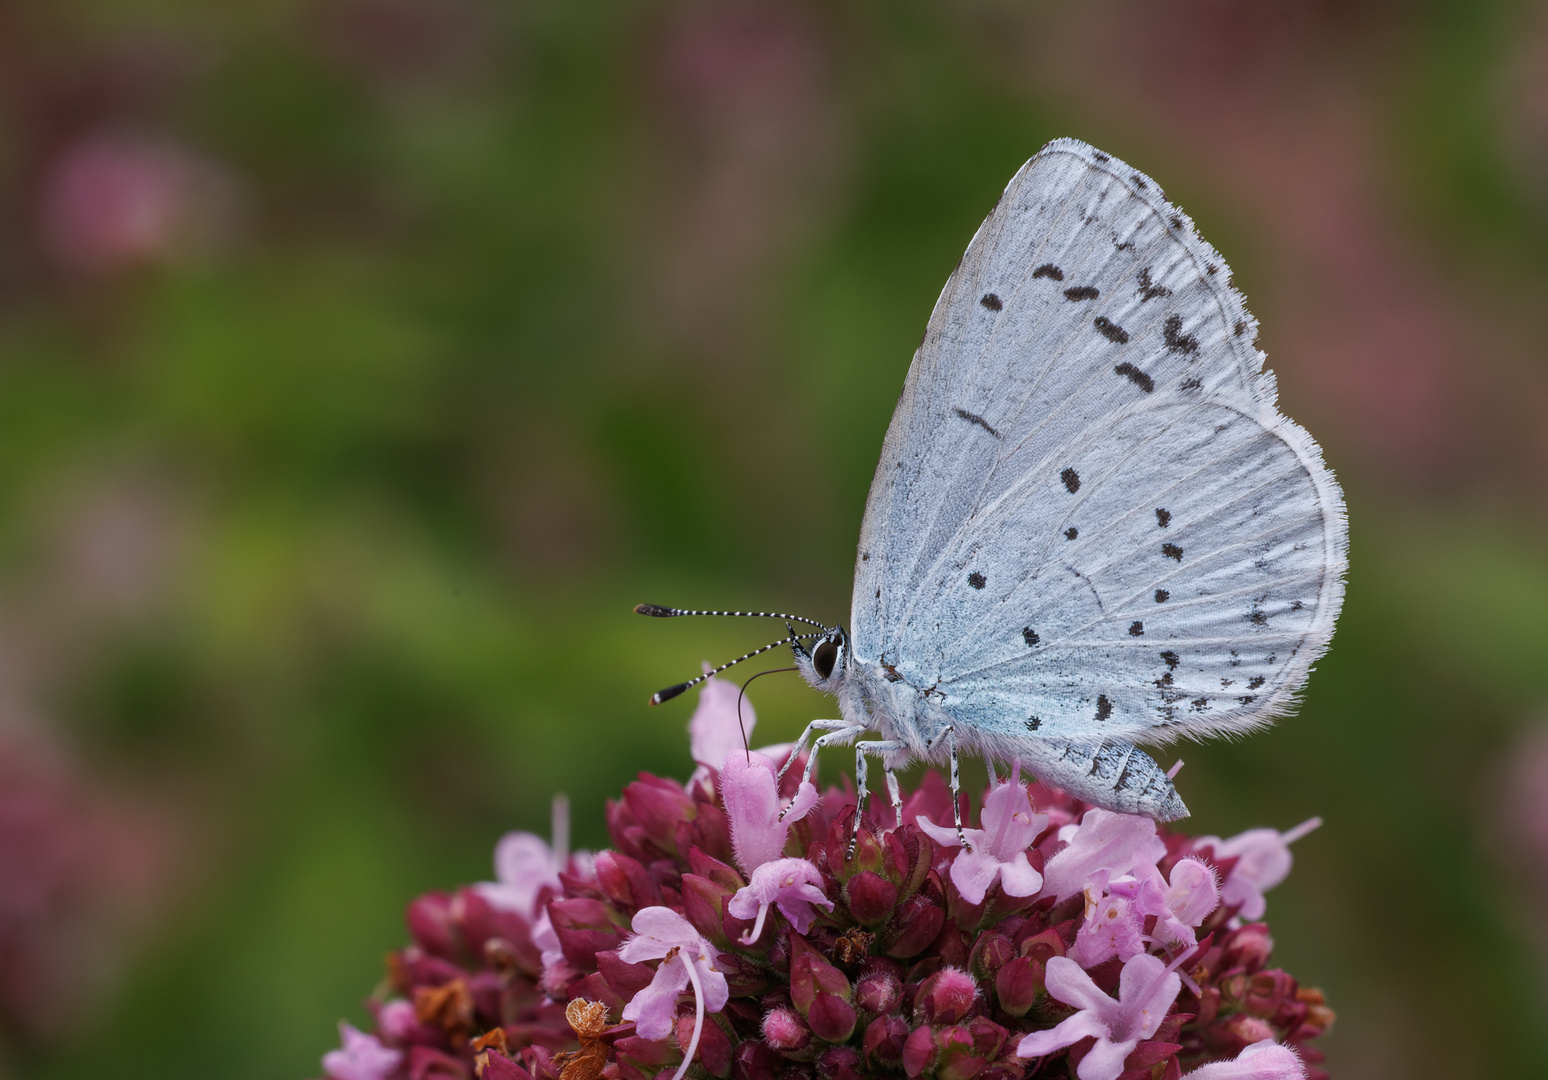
column 730, row 933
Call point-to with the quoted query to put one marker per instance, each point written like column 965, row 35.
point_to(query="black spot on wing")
column 1100, row 157
column 977, row 580
column 1162, row 596
column 1176, row 340
column 1191, row 384
column 1029, row 635
column 1111, row 330
column 1255, row 682
column 1176, row 220
column 991, row 301
column 1163, row 517
column 1240, row 328
column 1139, row 181
column 1104, row 707
column 1136, row 629
column 1149, row 290
column 1172, row 551
column 974, row 418
column 1135, row 376
column 1171, row 659
column 1071, row 480
column 1127, row 245
column 1071, row 533
column 1049, row 270
column 1082, row 292
column 1033, row 723
column 1199, row 704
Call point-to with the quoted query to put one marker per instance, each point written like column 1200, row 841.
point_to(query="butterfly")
column 1090, row 527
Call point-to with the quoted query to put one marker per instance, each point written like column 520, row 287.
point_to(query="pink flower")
column 998, row 851
column 1265, row 1060
column 794, row 884
column 362, row 1057
column 1262, row 861
column 749, row 791
column 688, row 959
column 1189, row 897
column 1146, row 990
column 396, row 1021
column 1103, row 840
column 525, row 866
column 1114, row 924
column 714, row 731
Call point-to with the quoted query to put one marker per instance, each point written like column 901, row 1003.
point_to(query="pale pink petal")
column 1018, row 878
column 1146, row 990
column 972, row 872
column 657, row 931
column 360, row 1057
column 1105, row 840
column 1068, row 982
column 716, row 990
column 654, row 1009
column 713, row 731
column 750, row 794
column 1192, row 892
column 946, row 835
column 1105, row 1061
column 524, row 865
column 1067, row 1032
column 1265, row 1060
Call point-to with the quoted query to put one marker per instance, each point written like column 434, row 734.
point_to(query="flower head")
column 361, row 1057
column 998, row 851
column 1262, row 861
column 793, row 884
column 662, row 934
column 1146, row 990
column 750, row 790
column 1103, row 840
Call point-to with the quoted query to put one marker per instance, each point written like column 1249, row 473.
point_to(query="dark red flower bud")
column 755, row 1060
column 810, row 975
column 945, row 997
column 870, row 897
column 625, row 881
column 430, row 921
column 919, row 1051
column 720, row 873
column 584, row 928
column 657, row 806
column 1017, row 984
column 988, row 1037
column 1266, row 992
column 879, row 989
column 714, row 1049
column 915, row 927
column 883, row 1042
column 989, row 952
column 427, row 1063
column 840, row 1063
column 831, row 1017
column 499, row 1067
column 956, row 1057
column 704, row 905
column 785, row 1031
column 1043, row 945
column 1249, row 947
column 1149, row 1054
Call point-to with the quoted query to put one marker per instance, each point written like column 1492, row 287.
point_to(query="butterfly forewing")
column 1089, row 520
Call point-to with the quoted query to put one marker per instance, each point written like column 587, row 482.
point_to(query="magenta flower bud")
column 871, row 897
column 916, row 926
column 584, row 928
column 831, row 1018
column 1018, row 983
column 625, row 881
column 714, row 1049
column 785, row 1031
column 919, row 1051
column 883, row 1042
column 431, row 922
column 1266, row 992
column 840, row 1063
column 810, row 975
column 1249, row 947
column 945, row 997
column 956, row 1058
column 988, row 1037
column 879, row 989
column 754, row 1059
column 499, row 1067
column 704, row 905
column 657, row 805
column 989, row 952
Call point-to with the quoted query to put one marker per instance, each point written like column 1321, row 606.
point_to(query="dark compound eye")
column 824, row 656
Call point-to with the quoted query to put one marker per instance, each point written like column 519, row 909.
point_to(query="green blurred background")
column 362, row 362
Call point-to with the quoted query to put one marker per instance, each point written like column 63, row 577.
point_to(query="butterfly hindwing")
column 1090, row 520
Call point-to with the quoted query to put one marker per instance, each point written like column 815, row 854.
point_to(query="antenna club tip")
column 654, row 609
column 668, row 694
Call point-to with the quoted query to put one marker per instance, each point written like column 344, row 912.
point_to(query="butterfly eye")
column 824, row 656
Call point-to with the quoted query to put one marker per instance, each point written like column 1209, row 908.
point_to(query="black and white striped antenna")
column 660, row 612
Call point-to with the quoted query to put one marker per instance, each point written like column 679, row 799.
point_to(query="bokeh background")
column 362, row 362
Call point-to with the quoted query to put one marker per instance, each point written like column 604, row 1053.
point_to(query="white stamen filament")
column 698, row 1016
column 561, row 828
column 1301, row 830
column 752, row 935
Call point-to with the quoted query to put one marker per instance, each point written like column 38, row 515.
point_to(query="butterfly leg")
column 895, row 795
column 874, row 748
column 838, row 732
column 950, row 735
column 800, row 745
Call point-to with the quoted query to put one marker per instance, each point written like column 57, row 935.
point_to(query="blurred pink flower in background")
column 111, row 200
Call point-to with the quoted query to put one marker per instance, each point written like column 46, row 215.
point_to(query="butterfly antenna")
column 672, row 691
column 660, row 612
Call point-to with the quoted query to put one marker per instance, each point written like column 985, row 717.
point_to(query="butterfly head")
column 825, row 663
